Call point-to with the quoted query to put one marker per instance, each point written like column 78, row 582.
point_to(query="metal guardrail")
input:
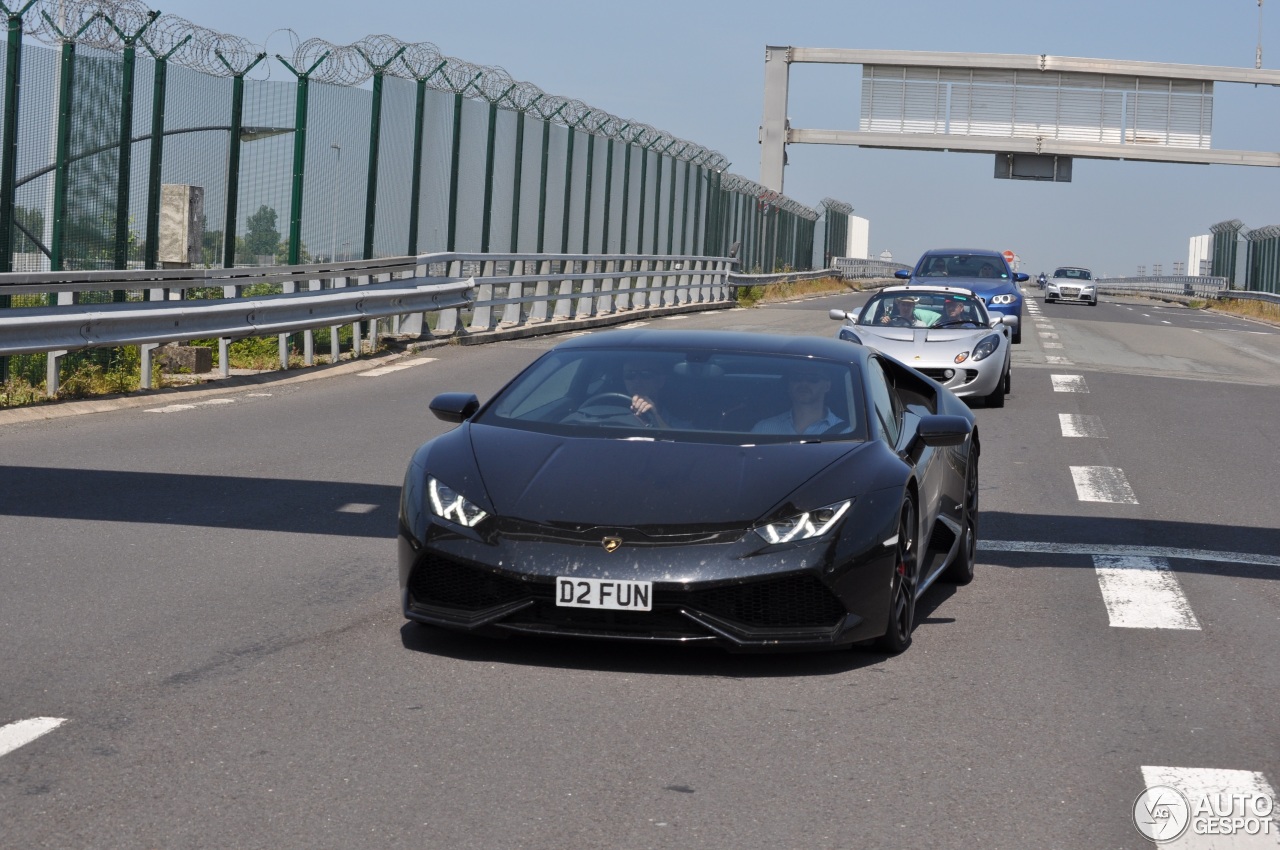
column 854, row 268
column 1248, row 295
column 469, row 293
column 1191, row 286
column 781, row 277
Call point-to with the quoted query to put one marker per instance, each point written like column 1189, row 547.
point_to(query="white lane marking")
column 1102, row 484
column 1068, row 384
column 258, row 395
column 1051, row 345
column 1218, row 797
column 674, row 318
column 1166, row 322
column 396, row 367
column 1055, row 360
column 1048, row 335
column 357, row 508
column 175, row 408
column 25, row 731
column 1143, row 551
column 1142, row 593
column 1078, row 425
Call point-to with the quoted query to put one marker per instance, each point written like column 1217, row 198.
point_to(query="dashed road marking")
column 1077, row 425
column 24, row 732
column 176, row 408
column 357, row 508
column 1142, row 593
column 1048, row 335
column 396, row 367
column 1069, row 384
column 1212, row 792
column 1055, row 360
column 1051, row 345
column 1102, row 484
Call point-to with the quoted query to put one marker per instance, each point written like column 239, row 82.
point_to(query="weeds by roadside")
column 750, row 296
column 1264, row 310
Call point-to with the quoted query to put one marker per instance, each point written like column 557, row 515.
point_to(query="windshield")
column 1073, row 274
column 701, row 396
column 924, row 309
column 962, row 265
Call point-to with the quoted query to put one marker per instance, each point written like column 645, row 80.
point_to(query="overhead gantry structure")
column 1034, row 112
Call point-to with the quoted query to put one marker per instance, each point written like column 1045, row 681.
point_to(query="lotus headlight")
column 846, row 333
column 986, row 347
column 805, row 526
column 449, row 504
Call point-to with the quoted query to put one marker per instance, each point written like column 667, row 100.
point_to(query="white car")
column 943, row 331
column 1071, row 283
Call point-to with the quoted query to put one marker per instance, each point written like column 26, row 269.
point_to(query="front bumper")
column 1071, row 293
column 721, row 593
column 969, row 378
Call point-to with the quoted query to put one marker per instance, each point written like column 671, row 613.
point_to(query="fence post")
column 375, row 139
column 299, row 158
column 125, row 157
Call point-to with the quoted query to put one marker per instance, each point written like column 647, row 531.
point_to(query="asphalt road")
column 203, row 591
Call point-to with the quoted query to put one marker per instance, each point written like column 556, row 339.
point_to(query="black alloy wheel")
column 906, row 577
column 961, row 569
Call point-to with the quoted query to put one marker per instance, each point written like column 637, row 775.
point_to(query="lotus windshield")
column 699, row 396
column 924, row 309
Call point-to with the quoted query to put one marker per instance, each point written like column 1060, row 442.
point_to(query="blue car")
column 984, row 272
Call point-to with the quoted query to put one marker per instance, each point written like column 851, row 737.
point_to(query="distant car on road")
column 752, row 491
column 983, row 271
column 943, row 331
column 1072, row 283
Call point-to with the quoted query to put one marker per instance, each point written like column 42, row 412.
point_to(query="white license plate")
column 613, row 594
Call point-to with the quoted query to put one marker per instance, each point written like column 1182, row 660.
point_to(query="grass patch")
column 751, row 296
column 1264, row 310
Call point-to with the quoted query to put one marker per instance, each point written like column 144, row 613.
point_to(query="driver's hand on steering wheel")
column 644, row 409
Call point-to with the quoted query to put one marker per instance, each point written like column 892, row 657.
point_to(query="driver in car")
column 903, row 314
column 644, row 381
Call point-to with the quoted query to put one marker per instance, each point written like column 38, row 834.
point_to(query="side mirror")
column 1021, row 276
column 455, row 407
column 838, row 315
column 937, row 430
column 903, row 274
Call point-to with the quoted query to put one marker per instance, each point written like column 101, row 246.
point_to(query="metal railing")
column 1190, row 286
column 467, row 294
column 852, row 268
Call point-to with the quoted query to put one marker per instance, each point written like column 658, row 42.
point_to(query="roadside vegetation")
column 1264, row 310
column 751, row 296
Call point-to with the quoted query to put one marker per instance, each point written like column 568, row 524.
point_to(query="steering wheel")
column 608, row 400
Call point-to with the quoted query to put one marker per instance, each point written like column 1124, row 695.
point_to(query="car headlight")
column 805, row 526
column 846, row 333
column 986, row 347
column 449, row 504
column 1002, row 299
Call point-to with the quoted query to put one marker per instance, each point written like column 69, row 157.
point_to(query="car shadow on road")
column 665, row 659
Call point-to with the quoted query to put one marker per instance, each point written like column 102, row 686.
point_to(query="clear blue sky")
column 696, row 70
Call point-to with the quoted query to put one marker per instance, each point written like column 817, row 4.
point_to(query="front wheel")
column 906, row 576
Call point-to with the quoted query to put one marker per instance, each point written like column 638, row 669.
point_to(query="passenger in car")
column 938, row 268
column 807, row 387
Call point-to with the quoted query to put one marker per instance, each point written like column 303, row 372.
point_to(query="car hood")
column 547, row 478
column 913, row 344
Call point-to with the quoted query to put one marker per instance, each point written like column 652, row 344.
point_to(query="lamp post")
column 333, row 239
